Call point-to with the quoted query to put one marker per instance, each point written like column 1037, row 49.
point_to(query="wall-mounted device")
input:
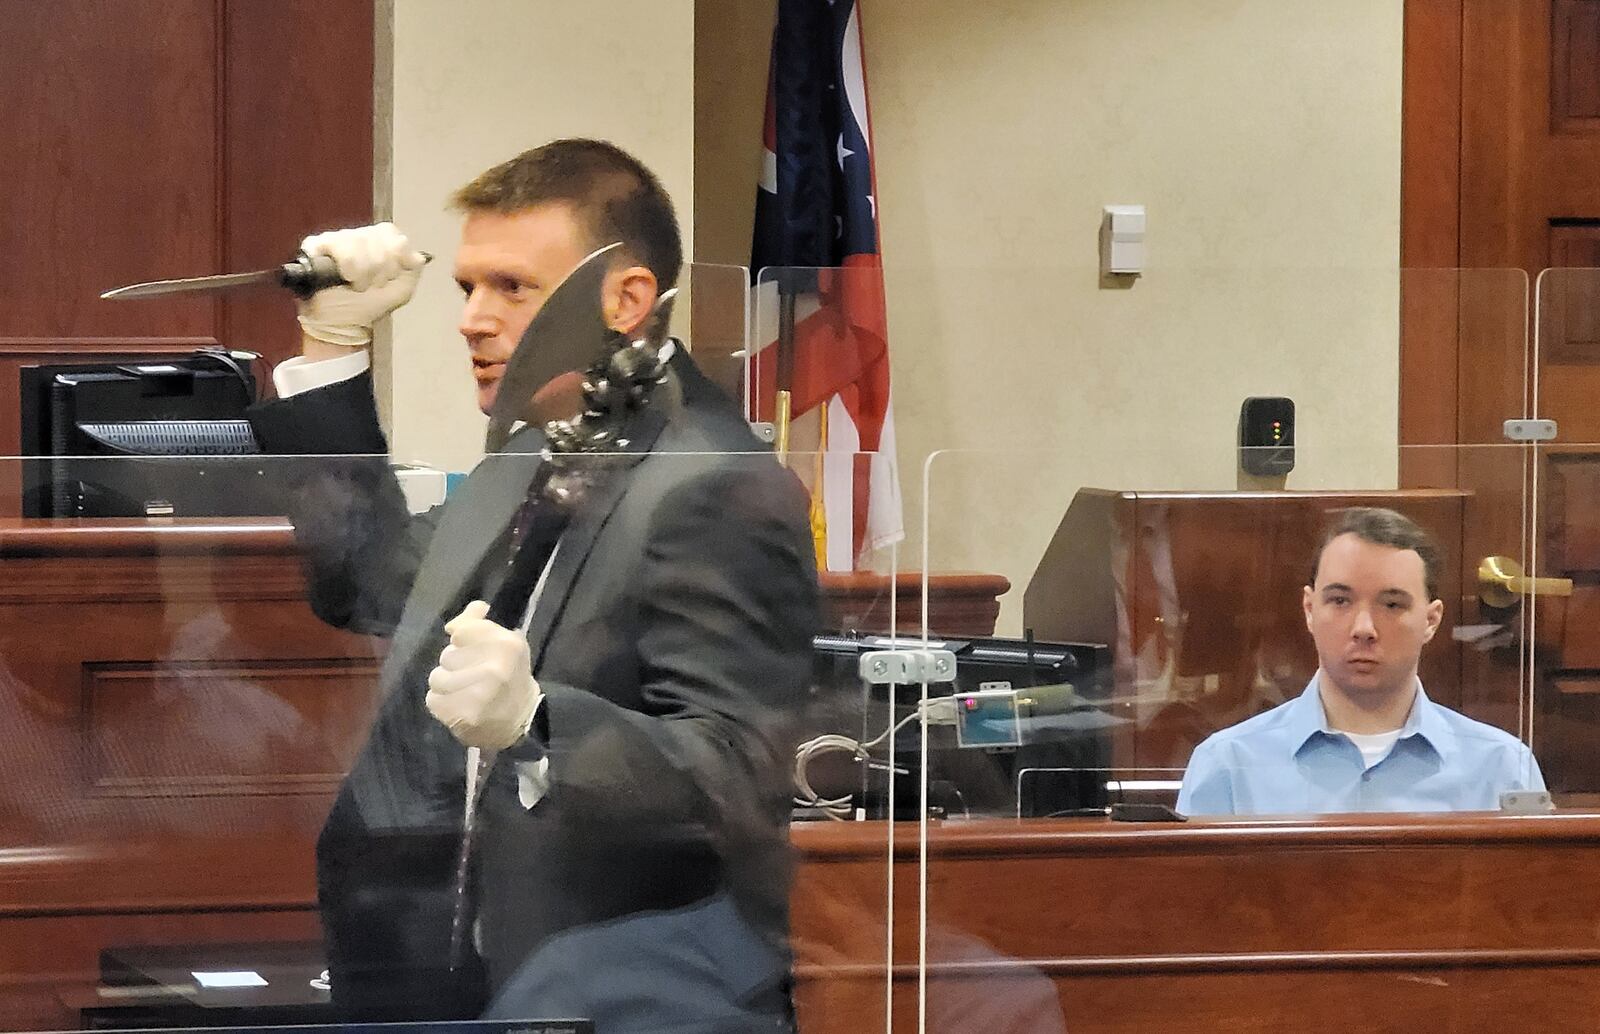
column 1122, row 240
column 1266, row 435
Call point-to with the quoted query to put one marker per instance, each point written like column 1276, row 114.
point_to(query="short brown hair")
column 613, row 195
column 1383, row 527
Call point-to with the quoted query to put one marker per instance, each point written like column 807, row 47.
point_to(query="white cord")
column 839, row 807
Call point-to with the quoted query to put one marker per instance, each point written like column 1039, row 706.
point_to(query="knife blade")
column 303, row 275
column 566, row 334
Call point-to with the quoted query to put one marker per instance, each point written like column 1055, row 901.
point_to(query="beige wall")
column 1264, row 139
column 476, row 81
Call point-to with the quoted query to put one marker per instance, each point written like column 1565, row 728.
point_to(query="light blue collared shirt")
column 1288, row 761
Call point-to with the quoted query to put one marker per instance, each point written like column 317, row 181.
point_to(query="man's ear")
column 1307, row 597
column 1435, row 616
column 629, row 296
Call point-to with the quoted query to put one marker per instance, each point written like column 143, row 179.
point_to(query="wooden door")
column 1502, row 170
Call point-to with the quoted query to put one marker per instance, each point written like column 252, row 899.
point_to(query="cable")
column 939, row 710
column 226, row 358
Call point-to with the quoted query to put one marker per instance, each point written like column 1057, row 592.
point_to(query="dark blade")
column 568, row 333
column 205, row 284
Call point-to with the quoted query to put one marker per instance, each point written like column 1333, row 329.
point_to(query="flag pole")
column 784, row 379
column 819, row 506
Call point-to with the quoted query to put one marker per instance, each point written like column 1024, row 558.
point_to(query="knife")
column 567, row 333
column 303, row 275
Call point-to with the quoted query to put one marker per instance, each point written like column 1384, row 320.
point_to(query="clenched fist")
column 483, row 690
column 381, row 268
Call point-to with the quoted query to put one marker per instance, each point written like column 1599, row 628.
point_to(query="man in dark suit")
column 638, row 719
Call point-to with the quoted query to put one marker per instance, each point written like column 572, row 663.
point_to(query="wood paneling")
column 1572, row 514
column 297, row 145
column 1526, row 155
column 1406, row 923
column 1569, row 300
column 1198, row 595
column 175, row 721
column 962, row 604
column 1579, row 617
column 1517, row 174
column 110, row 163
column 1575, row 66
column 1430, row 151
column 1115, row 927
column 157, row 138
column 140, row 720
column 1441, row 923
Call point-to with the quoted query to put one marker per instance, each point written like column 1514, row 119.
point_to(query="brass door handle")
column 1501, row 583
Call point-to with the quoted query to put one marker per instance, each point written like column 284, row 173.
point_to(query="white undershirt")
column 297, row 374
column 1374, row 746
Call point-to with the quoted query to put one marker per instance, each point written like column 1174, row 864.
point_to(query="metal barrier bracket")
column 907, row 667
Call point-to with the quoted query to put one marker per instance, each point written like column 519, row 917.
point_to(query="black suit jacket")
column 671, row 641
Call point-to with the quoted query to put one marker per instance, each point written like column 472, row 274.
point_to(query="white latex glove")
column 483, row 690
column 382, row 269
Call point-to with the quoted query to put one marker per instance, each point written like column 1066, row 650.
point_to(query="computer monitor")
column 142, row 436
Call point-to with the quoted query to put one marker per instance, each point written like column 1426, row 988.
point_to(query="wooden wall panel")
column 1581, row 655
column 1569, row 311
column 159, row 138
column 1436, row 923
column 1400, row 994
column 1572, row 517
column 168, row 683
column 1575, row 66
column 297, row 145
column 139, row 721
column 1430, row 156
column 109, row 165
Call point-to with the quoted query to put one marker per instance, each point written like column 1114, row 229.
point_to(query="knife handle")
column 305, row 276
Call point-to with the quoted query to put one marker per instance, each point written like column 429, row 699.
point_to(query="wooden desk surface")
column 1420, row 923
column 1447, row 923
column 143, row 536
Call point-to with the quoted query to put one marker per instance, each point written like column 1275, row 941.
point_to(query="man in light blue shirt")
column 1363, row 737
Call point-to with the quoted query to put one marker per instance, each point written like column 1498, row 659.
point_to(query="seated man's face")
column 1370, row 615
column 506, row 266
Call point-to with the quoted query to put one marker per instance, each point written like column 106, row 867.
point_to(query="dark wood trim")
column 26, row 537
column 67, row 349
column 1147, row 965
column 1430, row 136
column 1430, row 237
column 1246, row 836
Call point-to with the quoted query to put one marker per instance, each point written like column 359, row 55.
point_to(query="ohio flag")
column 816, row 209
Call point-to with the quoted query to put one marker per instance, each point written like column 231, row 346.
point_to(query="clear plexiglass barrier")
column 269, row 759
column 1135, row 663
